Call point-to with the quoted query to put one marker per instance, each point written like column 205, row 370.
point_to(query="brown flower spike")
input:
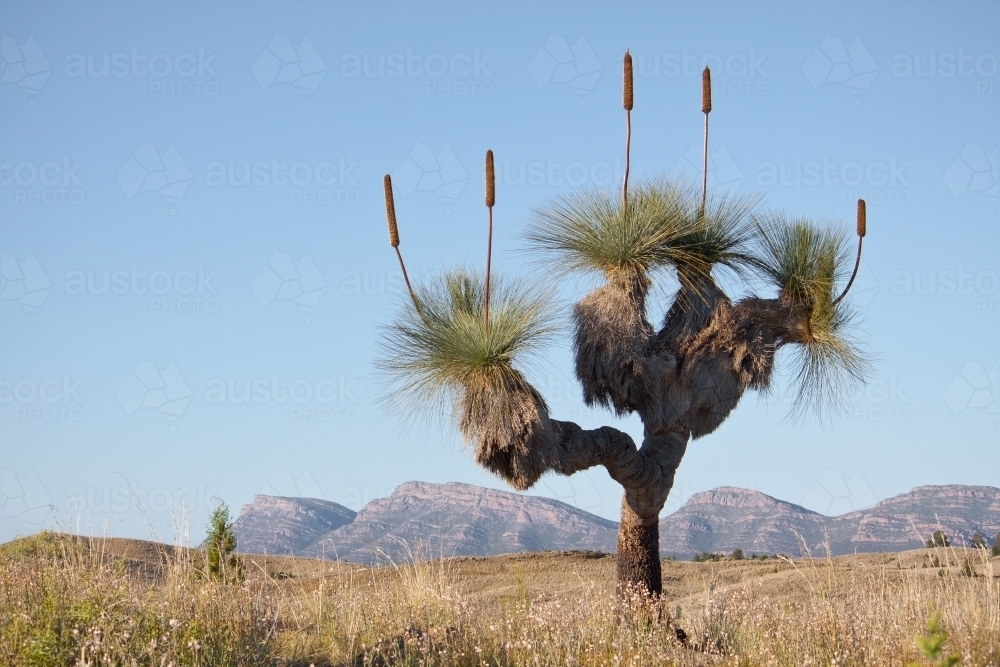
column 491, row 199
column 706, row 90
column 627, row 88
column 491, row 187
column 390, row 212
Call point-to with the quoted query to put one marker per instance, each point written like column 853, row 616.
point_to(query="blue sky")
column 190, row 204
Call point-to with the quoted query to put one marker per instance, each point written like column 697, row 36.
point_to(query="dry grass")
column 119, row 602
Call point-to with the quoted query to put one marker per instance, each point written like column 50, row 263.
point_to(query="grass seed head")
column 862, row 218
column 706, row 90
column 491, row 184
column 390, row 212
column 627, row 82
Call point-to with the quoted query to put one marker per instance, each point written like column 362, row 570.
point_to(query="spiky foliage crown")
column 806, row 261
column 663, row 224
column 443, row 352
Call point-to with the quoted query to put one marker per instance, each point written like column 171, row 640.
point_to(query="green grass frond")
column 722, row 236
column 589, row 230
column 428, row 359
column 803, row 259
column 829, row 368
column 663, row 225
column 808, row 263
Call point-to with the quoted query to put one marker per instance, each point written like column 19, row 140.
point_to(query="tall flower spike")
column 706, row 90
column 491, row 199
column 390, row 216
column 706, row 107
column 862, row 229
column 627, row 82
column 491, row 187
column 627, row 103
column 390, row 212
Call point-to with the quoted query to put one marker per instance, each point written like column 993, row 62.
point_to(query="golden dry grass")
column 127, row 602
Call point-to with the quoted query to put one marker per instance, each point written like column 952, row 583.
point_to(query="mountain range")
column 424, row 520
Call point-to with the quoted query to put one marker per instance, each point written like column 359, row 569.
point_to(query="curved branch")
column 646, row 473
column 857, row 264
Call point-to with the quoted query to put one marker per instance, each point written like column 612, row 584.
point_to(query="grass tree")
column 464, row 343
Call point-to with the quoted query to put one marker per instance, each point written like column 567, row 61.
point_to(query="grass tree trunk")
column 638, row 564
column 646, row 474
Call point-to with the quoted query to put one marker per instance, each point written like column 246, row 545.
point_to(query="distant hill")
column 463, row 520
column 287, row 526
column 727, row 518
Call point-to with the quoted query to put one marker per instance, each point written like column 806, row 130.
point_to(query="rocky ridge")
column 427, row 520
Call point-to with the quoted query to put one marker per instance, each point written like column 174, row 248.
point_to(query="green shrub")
column 220, row 545
column 938, row 539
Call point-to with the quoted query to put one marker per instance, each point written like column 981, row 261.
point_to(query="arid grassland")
column 97, row 602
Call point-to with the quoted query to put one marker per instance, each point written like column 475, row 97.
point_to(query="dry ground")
column 118, row 601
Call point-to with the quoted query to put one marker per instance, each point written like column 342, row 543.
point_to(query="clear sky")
column 195, row 262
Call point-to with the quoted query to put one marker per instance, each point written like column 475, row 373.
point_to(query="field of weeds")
column 90, row 602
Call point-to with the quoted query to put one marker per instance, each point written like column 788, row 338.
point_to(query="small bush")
column 220, row 545
column 938, row 539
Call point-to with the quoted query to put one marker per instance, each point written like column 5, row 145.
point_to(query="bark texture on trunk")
column 638, row 561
